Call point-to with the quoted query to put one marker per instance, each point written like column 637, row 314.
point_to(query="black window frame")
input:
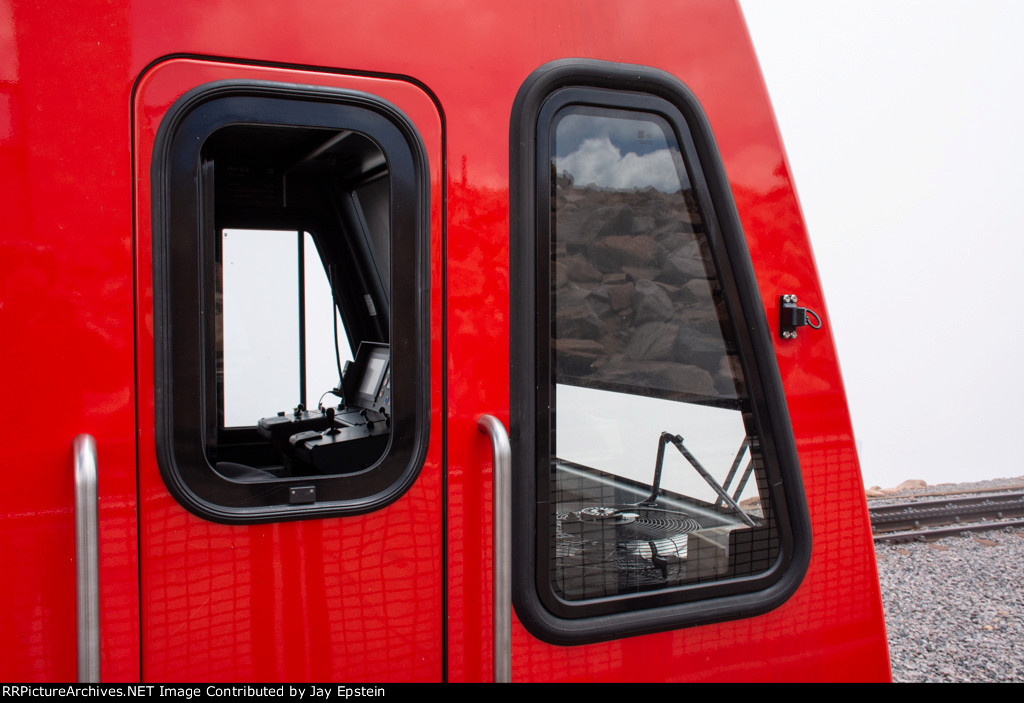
column 183, row 219
column 550, row 618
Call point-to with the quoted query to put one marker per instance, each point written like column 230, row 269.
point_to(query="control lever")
column 329, row 412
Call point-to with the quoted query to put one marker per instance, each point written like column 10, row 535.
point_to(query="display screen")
column 374, row 373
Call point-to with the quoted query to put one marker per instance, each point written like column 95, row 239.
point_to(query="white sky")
column 904, row 126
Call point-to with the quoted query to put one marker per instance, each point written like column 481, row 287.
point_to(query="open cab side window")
column 656, row 481
column 291, row 374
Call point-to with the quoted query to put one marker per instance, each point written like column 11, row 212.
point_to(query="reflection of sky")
column 611, row 152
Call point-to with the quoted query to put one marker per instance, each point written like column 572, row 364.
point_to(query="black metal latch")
column 791, row 317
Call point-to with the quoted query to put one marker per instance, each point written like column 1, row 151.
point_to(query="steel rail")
column 938, row 533
column 948, row 516
column 1007, row 496
column 909, row 515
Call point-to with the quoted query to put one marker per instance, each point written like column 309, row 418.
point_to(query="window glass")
column 656, row 479
column 260, row 349
column 262, row 367
column 281, row 377
column 326, row 351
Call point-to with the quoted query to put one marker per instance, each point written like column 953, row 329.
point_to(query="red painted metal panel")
column 66, row 357
column 354, row 598
column 832, row 627
column 236, row 602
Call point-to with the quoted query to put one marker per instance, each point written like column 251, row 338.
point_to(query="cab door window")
column 291, row 374
column 657, row 483
column 650, row 460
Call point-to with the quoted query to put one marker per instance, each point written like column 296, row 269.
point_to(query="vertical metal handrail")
column 87, row 561
column 502, row 451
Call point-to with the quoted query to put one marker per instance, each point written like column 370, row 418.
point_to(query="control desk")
column 341, row 440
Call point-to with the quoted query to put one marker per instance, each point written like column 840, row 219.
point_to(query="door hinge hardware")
column 791, row 317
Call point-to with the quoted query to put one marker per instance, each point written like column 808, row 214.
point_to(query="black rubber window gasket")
column 179, row 220
column 615, row 86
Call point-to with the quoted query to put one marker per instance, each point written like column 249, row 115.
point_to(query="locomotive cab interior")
column 296, row 230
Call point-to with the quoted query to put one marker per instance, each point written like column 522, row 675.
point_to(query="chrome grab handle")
column 502, row 451
column 87, row 560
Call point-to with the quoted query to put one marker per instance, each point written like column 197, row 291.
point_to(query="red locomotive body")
column 576, row 218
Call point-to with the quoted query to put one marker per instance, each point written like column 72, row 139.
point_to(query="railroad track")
column 943, row 517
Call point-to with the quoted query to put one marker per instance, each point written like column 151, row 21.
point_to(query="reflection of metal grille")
column 605, row 551
column 658, row 524
column 634, row 528
column 605, row 542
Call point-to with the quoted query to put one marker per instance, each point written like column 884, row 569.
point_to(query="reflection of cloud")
column 632, row 134
column 599, row 162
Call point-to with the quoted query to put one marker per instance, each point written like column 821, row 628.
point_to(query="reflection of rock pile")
column 634, row 303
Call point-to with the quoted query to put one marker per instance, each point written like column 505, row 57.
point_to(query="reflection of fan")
column 608, row 550
column 613, row 548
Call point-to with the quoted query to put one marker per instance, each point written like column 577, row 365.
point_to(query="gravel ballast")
column 954, row 608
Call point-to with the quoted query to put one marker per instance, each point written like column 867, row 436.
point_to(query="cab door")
column 657, row 505
column 259, row 558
